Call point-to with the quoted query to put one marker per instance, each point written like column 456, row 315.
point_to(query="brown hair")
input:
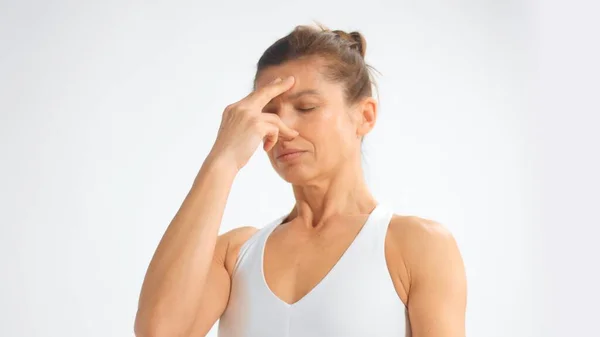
column 344, row 53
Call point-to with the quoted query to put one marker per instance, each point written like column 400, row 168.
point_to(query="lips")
column 288, row 151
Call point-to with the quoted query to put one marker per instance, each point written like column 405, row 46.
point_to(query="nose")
column 288, row 117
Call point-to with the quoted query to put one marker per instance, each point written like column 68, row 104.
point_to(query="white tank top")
column 356, row 298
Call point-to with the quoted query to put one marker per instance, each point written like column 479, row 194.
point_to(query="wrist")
column 221, row 164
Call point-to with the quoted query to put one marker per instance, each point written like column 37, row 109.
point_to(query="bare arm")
column 187, row 272
column 437, row 296
column 218, row 285
column 174, row 282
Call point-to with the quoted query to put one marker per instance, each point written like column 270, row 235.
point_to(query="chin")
column 295, row 175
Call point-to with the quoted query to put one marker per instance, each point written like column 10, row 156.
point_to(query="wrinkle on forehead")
column 306, row 71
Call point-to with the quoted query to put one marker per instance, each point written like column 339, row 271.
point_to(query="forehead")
column 307, row 73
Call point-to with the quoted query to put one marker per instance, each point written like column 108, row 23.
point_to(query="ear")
column 367, row 115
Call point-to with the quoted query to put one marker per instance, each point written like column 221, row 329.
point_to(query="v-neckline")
column 368, row 221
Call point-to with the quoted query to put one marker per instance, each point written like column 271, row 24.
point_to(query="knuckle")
column 242, row 108
column 274, row 118
column 268, row 127
column 230, row 107
column 256, row 125
column 267, row 116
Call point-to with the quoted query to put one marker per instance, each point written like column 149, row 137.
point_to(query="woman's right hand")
column 244, row 125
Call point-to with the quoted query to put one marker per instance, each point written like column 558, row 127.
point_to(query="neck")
column 342, row 193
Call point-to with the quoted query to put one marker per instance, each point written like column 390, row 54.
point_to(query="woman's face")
column 330, row 130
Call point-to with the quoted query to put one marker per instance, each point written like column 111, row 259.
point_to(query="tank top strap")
column 371, row 238
column 381, row 221
column 252, row 248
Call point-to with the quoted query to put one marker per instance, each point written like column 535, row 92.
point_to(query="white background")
column 109, row 108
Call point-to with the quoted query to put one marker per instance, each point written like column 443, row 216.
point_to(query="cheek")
column 330, row 133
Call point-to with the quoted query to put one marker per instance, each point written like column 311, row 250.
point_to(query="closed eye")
column 307, row 109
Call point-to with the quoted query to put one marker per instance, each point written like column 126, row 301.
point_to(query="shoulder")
column 238, row 235
column 230, row 242
column 418, row 233
column 422, row 245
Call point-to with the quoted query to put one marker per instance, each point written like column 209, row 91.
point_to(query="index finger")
column 264, row 95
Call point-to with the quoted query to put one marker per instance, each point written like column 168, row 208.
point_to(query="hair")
column 343, row 52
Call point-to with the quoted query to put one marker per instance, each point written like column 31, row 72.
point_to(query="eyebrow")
column 304, row 92
column 300, row 93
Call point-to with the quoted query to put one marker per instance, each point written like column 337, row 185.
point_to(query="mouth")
column 290, row 155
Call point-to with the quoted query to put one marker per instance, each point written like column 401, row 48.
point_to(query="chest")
column 295, row 263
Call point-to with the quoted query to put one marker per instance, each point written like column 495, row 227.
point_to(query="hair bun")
column 361, row 42
column 356, row 39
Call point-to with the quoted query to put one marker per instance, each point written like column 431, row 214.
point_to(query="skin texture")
column 332, row 203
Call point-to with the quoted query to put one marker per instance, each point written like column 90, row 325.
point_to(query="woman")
column 339, row 263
